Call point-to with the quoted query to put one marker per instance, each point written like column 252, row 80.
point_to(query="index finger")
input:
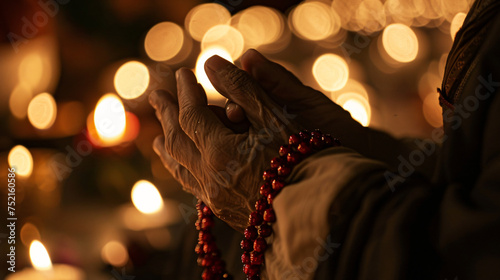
column 195, row 117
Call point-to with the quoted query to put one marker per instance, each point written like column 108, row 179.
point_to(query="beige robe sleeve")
column 301, row 233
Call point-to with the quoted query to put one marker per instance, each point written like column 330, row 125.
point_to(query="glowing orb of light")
column 42, row 111
column 314, row 21
column 20, row 158
column 203, row 17
column 432, row 110
column 357, row 105
column 331, row 72
column 131, row 79
column 260, row 25
column 225, row 37
column 456, row 24
column 146, row 197
column 109, row 118
column 400, row 42
column 164, row 41
column 115, row 253
column 19, row 100
column 39, row 256
column 202, row 77
column 29, row 233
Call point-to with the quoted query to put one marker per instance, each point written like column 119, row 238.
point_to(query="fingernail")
column 178, row 74
column 217, row 63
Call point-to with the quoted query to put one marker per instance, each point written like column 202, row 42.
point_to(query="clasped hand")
column 217, row 160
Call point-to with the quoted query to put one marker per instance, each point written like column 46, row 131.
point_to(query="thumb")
column 275, row 79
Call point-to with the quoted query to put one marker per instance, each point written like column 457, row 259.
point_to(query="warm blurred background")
column 74, row 81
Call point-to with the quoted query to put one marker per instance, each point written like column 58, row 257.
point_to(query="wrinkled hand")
column 313, row 109
column 202, row 151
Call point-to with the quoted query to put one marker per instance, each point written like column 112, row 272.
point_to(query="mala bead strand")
column 254, row 244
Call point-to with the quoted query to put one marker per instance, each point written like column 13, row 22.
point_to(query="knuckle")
column 188, row 117
column 238, row 81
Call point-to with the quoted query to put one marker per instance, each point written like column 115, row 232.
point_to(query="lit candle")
column 149, row 210
column 44, row 269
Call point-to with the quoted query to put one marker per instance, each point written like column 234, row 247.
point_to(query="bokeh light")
column 224, row 37
column 115, row 253
column 146, row 197
column 357, row 105
column 20, row 158
column 370, row 16
column 19, row 100
column 164, row 41
column 31, row 70
column 203, row 17
column 212, row 94
column 400, row 42
column 456, row 24
column 109, row 118
column 42, row 111
column 39, row 256
column 29, row 233
column 260, row 26
column 331, row 72
column 432, row 110
column 131, row 79
column 314, row 21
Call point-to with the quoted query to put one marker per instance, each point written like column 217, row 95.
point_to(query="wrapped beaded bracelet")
column 300, row 146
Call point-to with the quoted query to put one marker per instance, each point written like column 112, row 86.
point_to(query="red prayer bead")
column 246, row 245
column 207, row 261
column 316, row 133
column 278, row 184
column 207, row 223
column 260, row 244
column 218, row 267
column 316, row 142
column 205, row 236
column 271, row 197
column 284, row 170
column 256, row 258
column 275, row 162
column 261, row 204
column 251, row 233
column 199, row 248
column 294, row 140
column 245, row 258
column 284, row 150
column 207, row 275
column 209, row 247
column 269, row 215
column 265, row 189
column 268, row 175
column 304, row 134
column 255, row 218
column 328, row 140
column 304, row 148
column 207, row 211
column 251, row 270
column 265, row 230
column 293, row 157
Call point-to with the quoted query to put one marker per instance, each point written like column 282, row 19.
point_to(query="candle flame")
column 109, row 119
column 146, row 197
column 39, row 256
column 20, row 158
